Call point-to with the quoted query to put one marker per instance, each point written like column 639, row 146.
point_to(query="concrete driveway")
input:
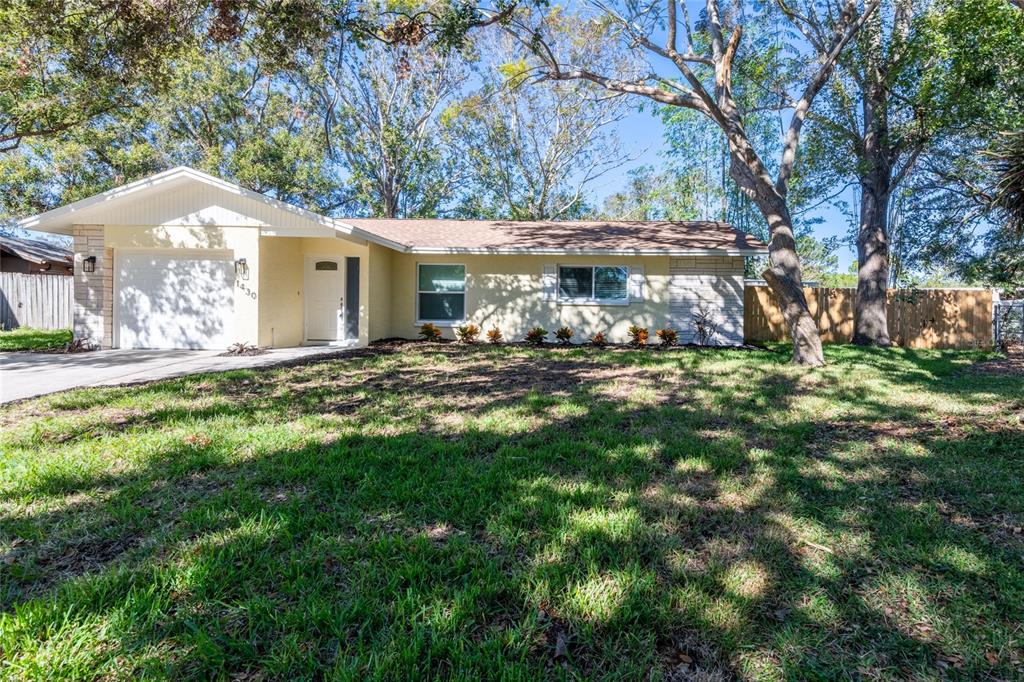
column 24, row 375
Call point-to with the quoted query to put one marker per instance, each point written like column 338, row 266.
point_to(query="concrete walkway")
column 24, row 375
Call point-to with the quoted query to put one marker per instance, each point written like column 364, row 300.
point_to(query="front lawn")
column 438, row 511
column 24, row 338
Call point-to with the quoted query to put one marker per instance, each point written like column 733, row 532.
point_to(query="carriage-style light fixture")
column 241, row 267
column 89, row 263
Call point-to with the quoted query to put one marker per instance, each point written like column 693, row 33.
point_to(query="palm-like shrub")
column 467, row 333
column 637, row 336
column 430, row 332
column 667, row 336
column 536, row 336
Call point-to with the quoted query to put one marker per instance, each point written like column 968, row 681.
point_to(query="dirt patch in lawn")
column 1012, row 364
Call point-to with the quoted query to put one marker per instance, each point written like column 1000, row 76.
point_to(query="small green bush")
column 536, row 336
column 467, row 333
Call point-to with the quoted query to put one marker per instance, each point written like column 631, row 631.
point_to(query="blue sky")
column 643, row 130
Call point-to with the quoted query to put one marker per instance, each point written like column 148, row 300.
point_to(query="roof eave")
column 585, row 252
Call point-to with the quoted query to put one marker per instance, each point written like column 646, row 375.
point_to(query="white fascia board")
column 591, row 252
column 360, row 233
column 40, row 221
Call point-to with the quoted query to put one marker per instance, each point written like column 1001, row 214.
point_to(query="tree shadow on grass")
column 549, row 516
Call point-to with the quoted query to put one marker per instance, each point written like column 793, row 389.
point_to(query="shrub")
column 668, row 337
column 599, row 340
column 637, row 336
column 430, row 332
column 243, row 348
column 705, row 325
column 467, row 333
column 536, row 336
column 564, row 335
column 494, row 335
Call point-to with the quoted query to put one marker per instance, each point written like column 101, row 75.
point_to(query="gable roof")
column 618, row 237
column 210, row 200
column 146, row 201
column 36, row 250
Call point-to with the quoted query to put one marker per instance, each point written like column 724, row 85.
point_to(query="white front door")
column 325, row 304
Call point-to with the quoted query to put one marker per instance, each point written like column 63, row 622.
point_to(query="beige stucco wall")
column 380, row 294
column 508, row 292
column 239, row 242
column 282, row 305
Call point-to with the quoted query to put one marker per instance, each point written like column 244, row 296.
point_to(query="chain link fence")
column 1009, row 323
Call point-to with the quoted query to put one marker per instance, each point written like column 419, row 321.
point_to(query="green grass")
column 438, row 511
column 25, row 338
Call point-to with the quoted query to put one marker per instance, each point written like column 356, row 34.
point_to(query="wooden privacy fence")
column 918, row 318
column 38, row 301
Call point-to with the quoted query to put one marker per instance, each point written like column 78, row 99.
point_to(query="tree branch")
column 845, row 29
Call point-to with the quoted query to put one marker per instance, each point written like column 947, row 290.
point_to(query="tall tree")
column 221, row 111
column 532, row 153
column 705, row 69
column 64, row 63
column 382, row 105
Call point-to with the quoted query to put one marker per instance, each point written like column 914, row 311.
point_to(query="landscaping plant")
column 705, row 324
column 494, row 335
column 536, row 336
column 599, row 340
column 467, row 333
column 430, row 332
column 637, row 336
column 564, row 335
column 668, row 337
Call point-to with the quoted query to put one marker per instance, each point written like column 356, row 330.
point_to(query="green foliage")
column 637, row 336
column 25, row 338
column 536, row 336
column 368, row 511
column 668, row 337
column 467, row 333
column 532, row 152
column 564, row 335
column 430, row 332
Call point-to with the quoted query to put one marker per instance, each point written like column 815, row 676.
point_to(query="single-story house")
column 182, row 259
column 34, row 256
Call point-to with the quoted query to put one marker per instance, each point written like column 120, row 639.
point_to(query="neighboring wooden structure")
column 36, row 301
column 918, row 318
column 35, row 256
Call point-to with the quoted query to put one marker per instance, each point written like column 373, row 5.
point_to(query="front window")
column 441, row 293
column 597, row 284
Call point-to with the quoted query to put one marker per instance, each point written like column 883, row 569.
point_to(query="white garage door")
column 174, row 300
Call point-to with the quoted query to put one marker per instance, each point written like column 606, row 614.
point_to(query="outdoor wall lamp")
column 89, row 264
column 242, row 267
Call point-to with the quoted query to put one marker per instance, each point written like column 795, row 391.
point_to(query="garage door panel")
column 174, row 301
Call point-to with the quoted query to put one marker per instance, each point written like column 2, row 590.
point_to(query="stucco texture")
column 508, row 292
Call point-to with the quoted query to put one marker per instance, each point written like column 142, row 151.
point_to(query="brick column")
column 93, row 290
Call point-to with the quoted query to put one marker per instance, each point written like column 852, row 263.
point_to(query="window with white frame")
column 593, row 284
column 440, row 292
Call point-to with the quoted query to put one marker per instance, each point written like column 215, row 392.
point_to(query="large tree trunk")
column 870, row 323
column 783, row 272
column 783, row 276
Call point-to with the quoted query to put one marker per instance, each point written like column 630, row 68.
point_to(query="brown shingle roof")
column 558, row 236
